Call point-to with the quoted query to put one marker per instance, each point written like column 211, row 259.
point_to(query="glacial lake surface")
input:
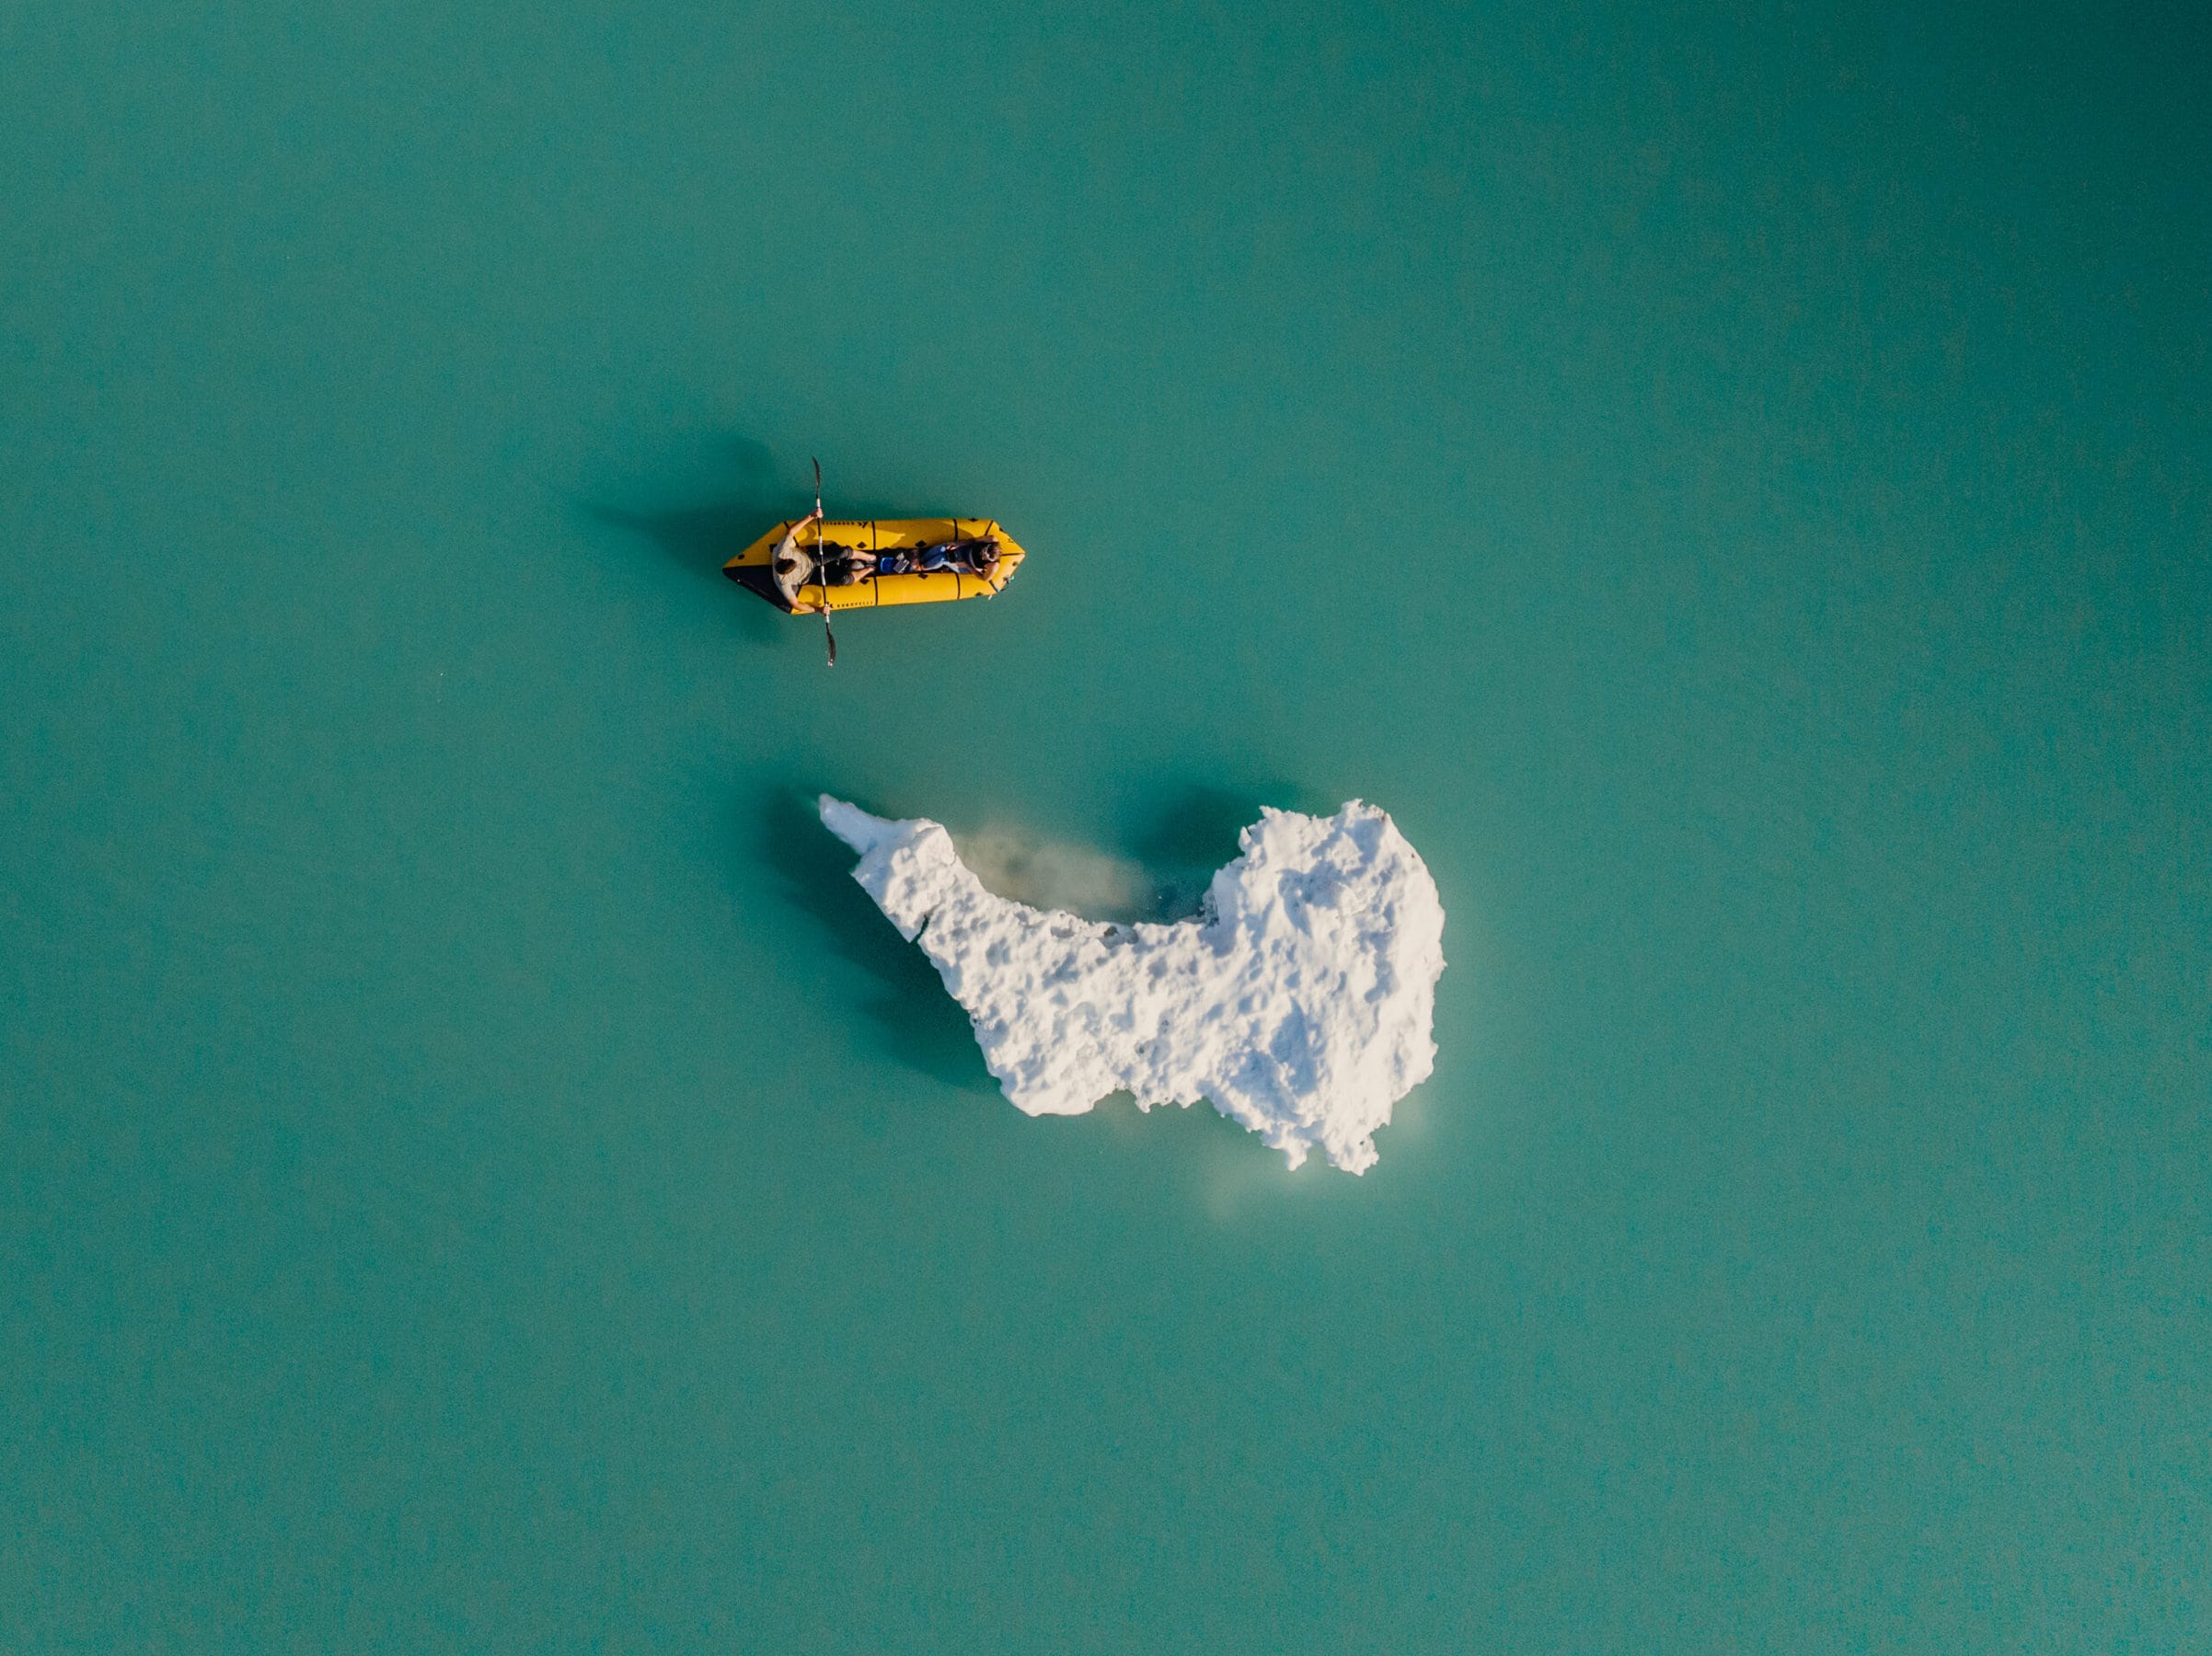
column 476, row 1173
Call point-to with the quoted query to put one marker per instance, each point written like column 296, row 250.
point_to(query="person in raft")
column 848, row 565
column 793, row 567
column 976, row 555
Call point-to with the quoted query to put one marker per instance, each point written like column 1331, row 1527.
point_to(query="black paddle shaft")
column 820, row 574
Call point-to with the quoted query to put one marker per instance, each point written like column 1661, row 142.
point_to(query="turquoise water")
column 473, row 1174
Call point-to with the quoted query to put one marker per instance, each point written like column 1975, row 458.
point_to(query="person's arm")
column 790, row 535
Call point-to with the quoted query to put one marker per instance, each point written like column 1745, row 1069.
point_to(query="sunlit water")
column 475, row 1174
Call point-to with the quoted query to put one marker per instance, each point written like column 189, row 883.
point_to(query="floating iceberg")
column 1299, row 1002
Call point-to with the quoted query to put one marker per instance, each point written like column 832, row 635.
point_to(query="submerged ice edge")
column 1300, row 1005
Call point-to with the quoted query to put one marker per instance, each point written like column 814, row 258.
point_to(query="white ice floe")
column 1299, row 1002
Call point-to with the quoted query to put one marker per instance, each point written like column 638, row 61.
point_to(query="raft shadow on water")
column 699, row 537
column 918, row 1023
column 700, row 540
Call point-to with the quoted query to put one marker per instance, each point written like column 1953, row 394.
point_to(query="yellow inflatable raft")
column 873, row 563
